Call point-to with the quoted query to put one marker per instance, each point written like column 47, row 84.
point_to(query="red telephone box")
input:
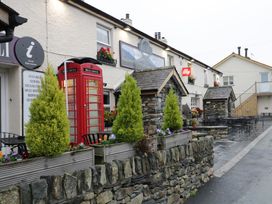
column 85, row 96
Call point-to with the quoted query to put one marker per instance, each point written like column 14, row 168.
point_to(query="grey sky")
column 207, row 30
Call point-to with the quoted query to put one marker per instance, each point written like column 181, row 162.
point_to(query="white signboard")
column 31, row 83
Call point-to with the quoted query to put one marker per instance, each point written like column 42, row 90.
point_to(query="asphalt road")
column 248, row 182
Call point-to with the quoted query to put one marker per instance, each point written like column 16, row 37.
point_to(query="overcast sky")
column 208, row 30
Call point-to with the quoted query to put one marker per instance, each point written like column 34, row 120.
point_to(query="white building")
column 251, row 82
column 67, row 29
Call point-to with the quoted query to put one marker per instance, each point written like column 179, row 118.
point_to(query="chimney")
column 127, row 20
column 239, row 50
column 246, row 49
column 159, row 35
column 164, row 40
column 156, row 35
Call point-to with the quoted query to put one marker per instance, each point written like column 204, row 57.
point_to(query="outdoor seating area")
column 13, row 147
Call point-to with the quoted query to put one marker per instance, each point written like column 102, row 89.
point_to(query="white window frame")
column 227, row 81
column 106, row 92
column 104, row 44
column 194, row 101
column 170, row 60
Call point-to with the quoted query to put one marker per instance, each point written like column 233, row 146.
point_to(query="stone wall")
column 215, row 109
column 153, row 107
column 217, row 132
column 170, row 177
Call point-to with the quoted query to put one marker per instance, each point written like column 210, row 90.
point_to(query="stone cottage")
column 218, row 103
column 155, row 85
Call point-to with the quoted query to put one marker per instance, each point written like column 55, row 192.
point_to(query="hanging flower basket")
column 105, row 57
column 191, row 79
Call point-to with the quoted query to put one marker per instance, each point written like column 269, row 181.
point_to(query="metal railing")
column 256, row 88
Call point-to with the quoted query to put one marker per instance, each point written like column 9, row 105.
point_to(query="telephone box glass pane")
column 93, row 106
column 71, row 89
column 93, row 98
column 94, row 122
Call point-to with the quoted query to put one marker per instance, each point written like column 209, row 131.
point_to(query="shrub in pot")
column 172, row 117
column 47, row 132
column 128, row 125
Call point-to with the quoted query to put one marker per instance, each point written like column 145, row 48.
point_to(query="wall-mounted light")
column 167, row 49
column 127, row 28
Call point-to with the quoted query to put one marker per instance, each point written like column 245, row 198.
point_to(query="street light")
column 66, row 84
column 9, row 19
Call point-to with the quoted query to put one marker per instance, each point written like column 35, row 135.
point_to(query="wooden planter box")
column 110, row 152
column 179, row 138
column 30, row 169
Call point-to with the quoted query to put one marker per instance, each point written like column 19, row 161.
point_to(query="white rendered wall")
column 65, row 32
column 245, row 73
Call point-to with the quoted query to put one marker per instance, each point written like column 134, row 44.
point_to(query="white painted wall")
column 65, row 32
column 264, row 104
column 245, row 73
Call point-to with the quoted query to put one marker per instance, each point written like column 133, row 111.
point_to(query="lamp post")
column 66, row 85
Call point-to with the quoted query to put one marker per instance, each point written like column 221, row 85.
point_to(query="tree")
column 47, row 132
column 172, row 118
column 128, row 125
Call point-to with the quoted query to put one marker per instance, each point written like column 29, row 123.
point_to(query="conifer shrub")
column 128, row 125
column 47, row 132
column 172, row 117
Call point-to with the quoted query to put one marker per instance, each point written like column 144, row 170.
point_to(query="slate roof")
column 153, row 79
column 223, row 92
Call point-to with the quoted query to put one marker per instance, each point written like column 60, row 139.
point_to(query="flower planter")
column 110, row 152
column 30, row 169
column 107, row 61
column 176, row 139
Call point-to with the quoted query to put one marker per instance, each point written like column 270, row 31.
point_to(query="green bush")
column 47, row 132
column 128, row 125
column 172, row 117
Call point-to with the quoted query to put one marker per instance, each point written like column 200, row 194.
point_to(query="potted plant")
column 104, row 55
column 127, row 127
column 194, row 123
column 191, row 79
column 172, row 124
column 109, row 117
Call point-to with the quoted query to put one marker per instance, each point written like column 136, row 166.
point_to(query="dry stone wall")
column 166, row 176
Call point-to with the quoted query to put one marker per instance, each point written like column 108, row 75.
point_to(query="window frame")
column 228, row 80
column 107, row 93
column 170, row 60
column 104, row 44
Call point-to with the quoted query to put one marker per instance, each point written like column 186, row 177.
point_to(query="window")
column 170, row 60
column 103, row 37
column 228, row 81
column 106, row 98
column 195, row 102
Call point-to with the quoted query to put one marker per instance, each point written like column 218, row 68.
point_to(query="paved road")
column 248, row 182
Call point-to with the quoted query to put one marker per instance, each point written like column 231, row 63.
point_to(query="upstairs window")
column 170, row 60
column 228, row 81
column 103, row 37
